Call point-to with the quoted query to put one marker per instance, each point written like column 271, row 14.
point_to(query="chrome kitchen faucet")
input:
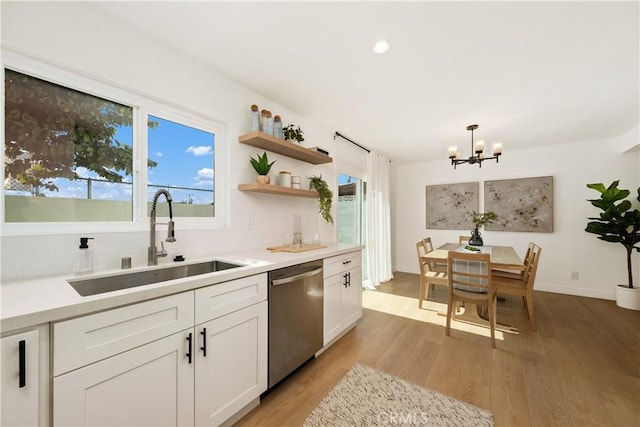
column 153, row 253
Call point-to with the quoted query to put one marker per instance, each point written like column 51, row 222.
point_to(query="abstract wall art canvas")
column 524, row 204
column 449, row 206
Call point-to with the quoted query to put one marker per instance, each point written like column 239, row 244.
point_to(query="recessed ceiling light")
column 381, row 46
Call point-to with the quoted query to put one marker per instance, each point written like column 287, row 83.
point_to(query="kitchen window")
column 181, row 159
column 73, row 150
column 68, row 155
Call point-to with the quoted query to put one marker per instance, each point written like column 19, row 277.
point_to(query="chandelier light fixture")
column 477, row 151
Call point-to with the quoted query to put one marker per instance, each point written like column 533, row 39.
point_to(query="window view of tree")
column 50, row 131
column 64, row 144
column 69, row 157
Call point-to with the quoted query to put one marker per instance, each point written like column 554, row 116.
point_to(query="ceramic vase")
column 476, row 239
column 263, row 179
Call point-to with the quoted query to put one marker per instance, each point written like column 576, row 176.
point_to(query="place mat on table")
column 486, row 249
column 303, row 248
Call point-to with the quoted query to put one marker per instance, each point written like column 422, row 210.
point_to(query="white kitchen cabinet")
column 25, row 378
column 151, row 385
column 84, row 340
column 234, row 371
column 342, row 293
column 193, row 358
column 351, row 303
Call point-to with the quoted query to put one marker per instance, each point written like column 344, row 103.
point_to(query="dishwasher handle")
column 296, row 277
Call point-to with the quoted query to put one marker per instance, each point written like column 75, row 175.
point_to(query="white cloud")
column 83, row 172
column 204, row 178
column 159, row 154
column 205, row 173
column 201, row 150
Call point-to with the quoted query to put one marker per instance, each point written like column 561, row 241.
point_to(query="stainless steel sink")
column 99, row 285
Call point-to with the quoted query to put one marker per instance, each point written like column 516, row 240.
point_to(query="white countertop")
column 30, row 302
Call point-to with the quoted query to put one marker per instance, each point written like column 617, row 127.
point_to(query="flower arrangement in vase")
column 480, row 220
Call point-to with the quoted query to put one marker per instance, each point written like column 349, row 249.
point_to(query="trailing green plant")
column 482, row 219
column 291, row 133
column 617, row 223
column 326, row 196
column 261, row 164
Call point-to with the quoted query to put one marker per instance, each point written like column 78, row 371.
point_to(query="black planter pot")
column 476, row 239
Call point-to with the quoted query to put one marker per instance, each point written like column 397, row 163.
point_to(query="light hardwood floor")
column 581, row 368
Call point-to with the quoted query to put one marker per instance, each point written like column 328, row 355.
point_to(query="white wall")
column 73, row 35
column 600, row 265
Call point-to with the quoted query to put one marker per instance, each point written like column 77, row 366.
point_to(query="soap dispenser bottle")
column 84, row 261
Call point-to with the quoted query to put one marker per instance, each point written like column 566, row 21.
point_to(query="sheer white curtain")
column 378, row 227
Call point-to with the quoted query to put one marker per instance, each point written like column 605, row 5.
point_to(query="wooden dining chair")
column 434, row 266
column 428, row 277
column 523, row 287
column 469, row 280
column 464, row 240
column 512, row 274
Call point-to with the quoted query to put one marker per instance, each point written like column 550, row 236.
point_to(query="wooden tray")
column 302, row 248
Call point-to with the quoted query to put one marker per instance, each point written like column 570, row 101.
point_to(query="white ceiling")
column 529, row 73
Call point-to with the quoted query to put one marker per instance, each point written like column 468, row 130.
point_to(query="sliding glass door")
column 352, row 214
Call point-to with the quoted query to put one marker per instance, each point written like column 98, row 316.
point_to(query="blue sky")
column 184, row 155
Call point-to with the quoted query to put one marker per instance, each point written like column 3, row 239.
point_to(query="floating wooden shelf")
column 256, row 187
column 280, row 146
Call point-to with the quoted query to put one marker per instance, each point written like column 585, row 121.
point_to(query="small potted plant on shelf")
column 262, row 167
column 292, row 133
column 617, row 223
column 480, row 220
column 326, row 196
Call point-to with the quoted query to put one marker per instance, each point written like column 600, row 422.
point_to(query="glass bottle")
column 297, row 231
column 268, row 123
column 277, row 126
column 255, row 118
column 263, row 118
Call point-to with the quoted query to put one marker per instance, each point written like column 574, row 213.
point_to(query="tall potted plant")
column 618, row 223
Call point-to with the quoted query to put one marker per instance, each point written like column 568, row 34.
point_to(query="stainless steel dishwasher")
column 295, row 317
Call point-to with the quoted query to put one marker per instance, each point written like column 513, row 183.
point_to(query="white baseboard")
column 608, row 294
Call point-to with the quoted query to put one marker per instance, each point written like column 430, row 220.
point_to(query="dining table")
column 502, row 257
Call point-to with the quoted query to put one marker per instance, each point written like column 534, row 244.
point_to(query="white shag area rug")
column 368, row 397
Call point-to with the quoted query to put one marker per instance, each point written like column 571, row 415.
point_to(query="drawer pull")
column 346, row 262
column 204, row 342
column 22, row 362
column 189, row 340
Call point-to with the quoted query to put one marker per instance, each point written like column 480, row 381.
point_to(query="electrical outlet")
column 574, row 275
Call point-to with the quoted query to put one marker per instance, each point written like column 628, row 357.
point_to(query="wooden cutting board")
column 302, row 248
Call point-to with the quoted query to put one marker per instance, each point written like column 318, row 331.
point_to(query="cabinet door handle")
column 204, row 342
column 189, row 340
column 22, row 362
column 349, row 278
column 346, row 283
